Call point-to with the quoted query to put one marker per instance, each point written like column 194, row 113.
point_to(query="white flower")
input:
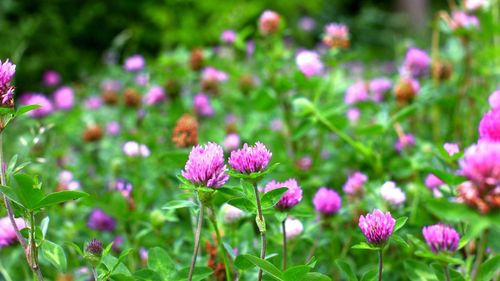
column 392, row 194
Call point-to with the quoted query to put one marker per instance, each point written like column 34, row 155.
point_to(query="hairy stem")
column 261, row 223
column 94, row 273
column 197, row 236
column 33, row 248
column 446, row 272
column 380, row 264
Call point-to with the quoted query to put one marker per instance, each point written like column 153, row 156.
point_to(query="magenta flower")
column 45, row 104
column 433, row 182
column 336, row 35
column 481, row 164
column 94, row 102
column 228, row 36
column 155, row 95
column 101, row 221
column 489, row 127
column 441, row 237
column 406, row 141
column 250, row 159
column 291, row 197
column 202, row 105
column 205, row 166
column 64, row 98
column 51, row 78
column 357, row 92
column 494, row 100
column 353, row 114
column 269, row 22
column 231, row 142
column 416, row 62
column 211, row 74
column 7, row 71
column 309, row 63
column 377, row 226
column 461, row 20
column 95, row 247
column 134, row 63
column 7, row 233
column 378, row 87
column 327, row 201
column 451, row 148
column 354, row 183
column 113, row 128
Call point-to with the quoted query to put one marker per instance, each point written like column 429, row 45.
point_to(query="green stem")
column 283, row 227
column 446, row 272
column 197, row 237
column 5, row 273
column 380, row 265
column 213, row 218
column 261, row 224
column 33, row 249
column 483, row 242
column 94, row 273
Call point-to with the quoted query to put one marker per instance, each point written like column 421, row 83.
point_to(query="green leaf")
column 440, row 257
column 27, row 192
column 365, row 246
column 296, row 273
column 346, row 269
column 316, row 276
column 161, row 263
column 178, row 204
column 370, row 275
column 54, row 254
column 449, row 211
column 266, row 266
column 489, row 268
column 400, row 222
column 114, row 265
column 27, row 108
column 12, row 165
column 11, row 194
column 244, row 204
column 399, row 240
column 200, row 273
column 271, row 198
column 59, row 197
column 147, row 275
column 243, row 263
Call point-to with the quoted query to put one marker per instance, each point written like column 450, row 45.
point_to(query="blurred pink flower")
column 293, row 228
column 7, row 233
column 357, row 92
column 451, row 148
column 269, row 22
column 134, row 63
column 93, row 102
column 155, row 95
column 45, row 104
column 392, row 194
column 461, row 20
column 64, row 98
column 228, row 36
column 51, row 78
column 416, row 62
column 309, row 63
column 202, row 105
column 494, row 100
column 232, row 142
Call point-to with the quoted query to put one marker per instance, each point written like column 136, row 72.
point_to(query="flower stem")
column 213, row 218
column 261, row 224
column 446, row 272
column 380, row 264
column 197, row 236
column 10, row 212
column 283, row 227
column 33, row 249
column 483, row 241
column 94, row 273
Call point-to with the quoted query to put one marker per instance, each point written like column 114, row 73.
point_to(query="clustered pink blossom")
column 379, row 87
column 406, row 141
column 433, row 182
column 155, row 95
column 441, row 237
column 64, row 98
column 230, row 213
column 494, row 100
column 293, row 228
column 134, row 63
column 416, row 62
column 451, row 148
column 392, row 194
column 7, row 233
column 489, row 127
column 228, row 36
column 250, row 159
column 377, row 226
column 51, row 78
column 202, row 105
column 481, row 164
column 113, row 128
column 205, row 166
column 327, row 201
column 473, row 5
column 269, row 22
column 461, row 20
column 211, row 74
column 45, row 104
column 101, row 221
column 355, row 183
column 135, row 149
column 357, row 92
column 7, row 71
column 291, row 197
column 309, row 63
column 336, row 35
column 93, row 102
column 67, row 181
column 232, row 142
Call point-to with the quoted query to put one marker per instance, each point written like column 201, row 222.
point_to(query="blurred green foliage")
column 72, row 36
